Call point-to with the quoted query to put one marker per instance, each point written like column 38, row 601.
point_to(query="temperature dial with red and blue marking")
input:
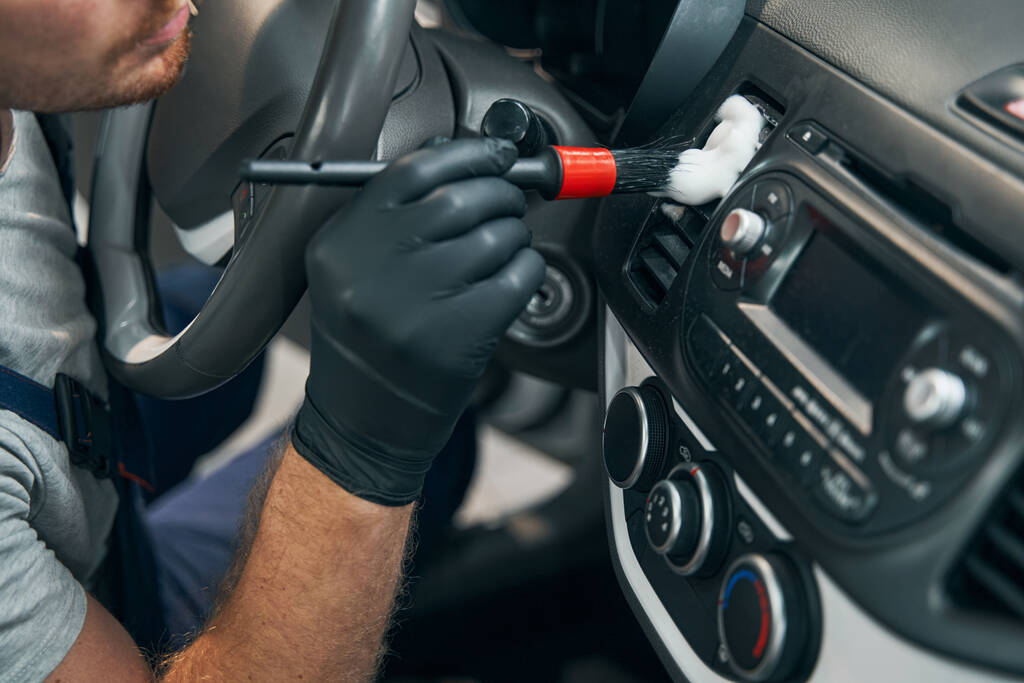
column 763, row 617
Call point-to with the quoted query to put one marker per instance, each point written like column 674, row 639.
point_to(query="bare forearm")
column 316, row 593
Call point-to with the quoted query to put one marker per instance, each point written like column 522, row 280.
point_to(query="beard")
column 153, row 82
column 133, row 81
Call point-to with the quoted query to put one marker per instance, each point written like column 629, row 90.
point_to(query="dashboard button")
column 806, row 462
column 706, row 345
column 734, row 380
column 986, row 379
column 911, row 446
column 808, row 137
column 773, row 200
column 797, row 451
column 244, row 201
column 846, row 496
column 764, row 413
column 726, row 271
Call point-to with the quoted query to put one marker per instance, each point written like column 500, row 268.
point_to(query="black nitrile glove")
column 412, row 285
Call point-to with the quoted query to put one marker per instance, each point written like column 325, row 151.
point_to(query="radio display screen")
column 856, row 321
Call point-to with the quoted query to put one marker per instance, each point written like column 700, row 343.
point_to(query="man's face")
column 61, row 55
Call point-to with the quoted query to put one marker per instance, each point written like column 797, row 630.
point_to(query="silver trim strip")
column 692, row 426
column 757, row 505
column 830, row 384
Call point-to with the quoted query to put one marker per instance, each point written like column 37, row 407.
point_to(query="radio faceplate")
column 868, row 385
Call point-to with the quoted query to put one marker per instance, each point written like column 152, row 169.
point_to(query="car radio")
column 842, row 337
column 871, row 386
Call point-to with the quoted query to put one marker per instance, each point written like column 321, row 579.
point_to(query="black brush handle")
column 542, row 172
column 338, row 173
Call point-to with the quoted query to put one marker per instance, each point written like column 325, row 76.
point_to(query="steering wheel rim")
column 265, row 277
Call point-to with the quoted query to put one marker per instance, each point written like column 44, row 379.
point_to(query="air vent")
column 990, row 578
column 665, row 241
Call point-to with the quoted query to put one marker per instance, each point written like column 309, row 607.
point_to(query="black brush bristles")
column 643, row 169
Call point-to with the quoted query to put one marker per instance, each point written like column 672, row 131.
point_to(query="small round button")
column 934, row 398
column 635, row 437
column 763, row 617
column 672, row 516
column 741, row 231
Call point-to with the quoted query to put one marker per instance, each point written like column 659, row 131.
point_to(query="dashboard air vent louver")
column 990, row 577
column 664, row 244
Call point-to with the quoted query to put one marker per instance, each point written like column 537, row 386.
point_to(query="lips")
column 171, row 29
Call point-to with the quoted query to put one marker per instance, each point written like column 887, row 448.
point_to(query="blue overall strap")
column 68, row 413
column 29, row 400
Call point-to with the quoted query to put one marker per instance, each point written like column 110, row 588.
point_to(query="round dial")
column 763, row 617
column 672, row 518
column 935, row 398
column 741, row 231
column 686, row 518
column 635, row 437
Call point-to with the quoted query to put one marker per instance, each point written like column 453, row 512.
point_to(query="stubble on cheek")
column 153, row 77
column 92, row 62
column 132, row 79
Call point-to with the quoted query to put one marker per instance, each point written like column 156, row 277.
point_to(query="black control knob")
column 672, row 519
column 763, row 617
column 515, row 121
column 686, row 518
column 635, row 437
column 741, row 231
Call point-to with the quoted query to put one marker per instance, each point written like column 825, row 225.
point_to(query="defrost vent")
column 990, row 577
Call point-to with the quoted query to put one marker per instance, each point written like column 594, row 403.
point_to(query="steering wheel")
column 265, row 277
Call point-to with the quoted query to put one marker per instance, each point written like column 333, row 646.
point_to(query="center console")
column 813, row 392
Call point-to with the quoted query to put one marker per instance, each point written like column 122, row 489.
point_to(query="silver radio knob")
column 935, row 398
column 741, row 231
column 672, row 516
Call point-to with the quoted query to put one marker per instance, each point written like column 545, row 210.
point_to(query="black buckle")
column 84, row 426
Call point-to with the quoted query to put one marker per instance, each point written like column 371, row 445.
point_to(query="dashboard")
column 813, row 387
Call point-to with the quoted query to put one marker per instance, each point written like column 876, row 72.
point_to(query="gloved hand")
column 412, row 284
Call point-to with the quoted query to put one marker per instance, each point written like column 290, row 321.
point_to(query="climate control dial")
column 672, row 516
column 763, row 618
column 686, row 519
column 635, row 437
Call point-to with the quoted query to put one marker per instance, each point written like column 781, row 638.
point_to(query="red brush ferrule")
column 586, row 172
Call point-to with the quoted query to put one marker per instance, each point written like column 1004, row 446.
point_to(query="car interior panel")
column 793, row 415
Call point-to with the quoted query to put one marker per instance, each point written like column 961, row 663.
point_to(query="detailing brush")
column 557, row 172
column 580, row 172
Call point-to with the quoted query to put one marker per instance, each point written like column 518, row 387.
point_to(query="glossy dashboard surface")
column 929, row 190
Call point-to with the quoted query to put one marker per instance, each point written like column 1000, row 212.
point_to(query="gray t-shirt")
column 55, row 518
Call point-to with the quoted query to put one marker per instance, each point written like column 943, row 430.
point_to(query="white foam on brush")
column 706, row 174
